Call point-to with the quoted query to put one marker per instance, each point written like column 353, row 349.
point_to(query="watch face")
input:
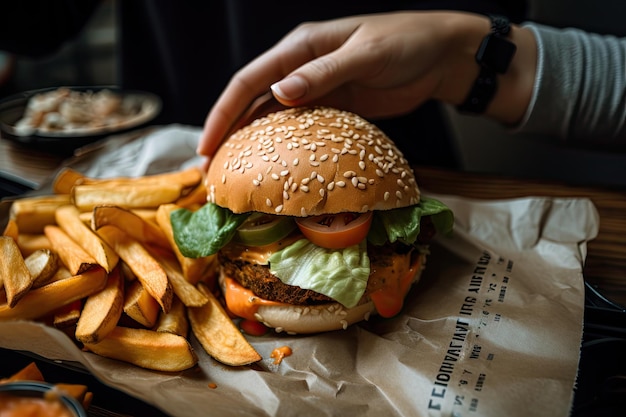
column 496, row 53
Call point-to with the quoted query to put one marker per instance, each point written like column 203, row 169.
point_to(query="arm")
column 580, row 87
column 377, row 66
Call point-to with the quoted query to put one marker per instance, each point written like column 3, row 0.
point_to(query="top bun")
column 310, row 161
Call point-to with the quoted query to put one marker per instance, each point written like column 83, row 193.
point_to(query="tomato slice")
column 262, row 229
column 336, row 231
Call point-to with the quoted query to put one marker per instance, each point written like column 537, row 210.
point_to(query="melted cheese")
column 241, row 301
column 258, row 254
column 389, row 285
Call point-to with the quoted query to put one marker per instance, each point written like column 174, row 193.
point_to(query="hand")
column 374, row 65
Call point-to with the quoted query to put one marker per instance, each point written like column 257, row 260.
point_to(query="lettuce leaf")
column 403, row 224
column 340, row 274
column 205, row 231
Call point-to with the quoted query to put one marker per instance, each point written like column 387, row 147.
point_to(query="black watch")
column 494, row 56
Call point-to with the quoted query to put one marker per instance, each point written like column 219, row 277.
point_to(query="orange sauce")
column 280, row 353
column 392, row 283
column 17, row 406
column 243, row 302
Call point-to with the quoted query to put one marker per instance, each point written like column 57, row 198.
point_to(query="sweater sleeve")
column 580, row 87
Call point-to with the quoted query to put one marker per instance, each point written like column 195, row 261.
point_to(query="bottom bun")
column 295, row 319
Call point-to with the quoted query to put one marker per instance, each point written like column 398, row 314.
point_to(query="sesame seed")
column 275, row 176
column 278, row 208
column 256, row 182
column 355, row 181
column 362, row 165
column 330, row 186
column 322, row 192
column 320, row 179
column 296, row 162
column 399, row 194
column 285, row 195
column 340, row 184
column 386, row 196
column 349, row 174
column 304, row 188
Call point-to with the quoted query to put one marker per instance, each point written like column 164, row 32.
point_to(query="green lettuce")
column 403, row 224
column 340, row 274
column 205, row 231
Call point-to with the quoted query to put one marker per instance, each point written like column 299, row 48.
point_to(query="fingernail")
column 290, row 88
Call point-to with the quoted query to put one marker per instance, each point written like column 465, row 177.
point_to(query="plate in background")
column 146, row 107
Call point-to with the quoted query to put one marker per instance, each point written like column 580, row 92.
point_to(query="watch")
column 494, row 56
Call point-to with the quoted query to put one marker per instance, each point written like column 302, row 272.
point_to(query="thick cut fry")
column 187, row 292
column 175, row 321
column 195, row 198
column 148, row 349
column 11, row 229
column 73, row 256
column 44, row 300
column 42, row 265
column 101, row 311
column 86, row 197
column 194, row 269
column 13, row 271
column 65, row 180
column 32, row 214
column 186, row 178
column 67, row 316
column 147, row 269
column 30, row 372
column 140, row 306
column 30, row 243
column 136, row 227
column 218, row 335
column 68, row 218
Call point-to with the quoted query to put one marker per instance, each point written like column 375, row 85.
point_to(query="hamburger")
column 316, row 219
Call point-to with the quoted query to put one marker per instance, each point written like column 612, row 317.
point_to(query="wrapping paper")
column 493, row 328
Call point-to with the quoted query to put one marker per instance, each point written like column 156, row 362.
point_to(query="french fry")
column 147, row 269
column 11, row 229
column 140, row 306
column 194, row 198
column 186, row 178
column 13, row 271
column 45, row 300
column 175, row 321
column 194, row 269
column 101, row 310
column 133, row 224
column 67, row 316
column 30, row 372
column 68, row 218
column 185, row 291
column 87, row 196
column 42, row 265
column 29, row 243
column 148, row 349
column 73, row 256
column 218, row 335
column 31, row 214
column 65, row 180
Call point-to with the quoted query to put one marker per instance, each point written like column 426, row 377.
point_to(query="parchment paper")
column 492, row 329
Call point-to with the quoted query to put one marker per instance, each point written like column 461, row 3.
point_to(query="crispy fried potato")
column 65, row 180
column 218, row 335
column 101, row 310
column 30, row 372
column 194, row 269
column 133, row 224
column 86, row 197
column 186, row 178
column 29, row 243
column 42, row 265
column 140, row 306
column 175, row 321
column 13, row 271
column 147, row 269
column 186, row 292
column 194, row 198
column 44, row 300
column 148, row 349
column 73, row 256
column 67, row 316
column 68, row 218
column 11, row 229
column 31, row 214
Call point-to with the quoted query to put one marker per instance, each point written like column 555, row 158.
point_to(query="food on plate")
column 317, row 221
column 132, row 304
column 66, row 110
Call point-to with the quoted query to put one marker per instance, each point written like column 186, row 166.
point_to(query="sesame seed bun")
column 310, row 161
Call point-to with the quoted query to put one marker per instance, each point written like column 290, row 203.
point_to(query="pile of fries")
column 97, row 259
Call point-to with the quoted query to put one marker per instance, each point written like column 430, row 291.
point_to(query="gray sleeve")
column 580, row 86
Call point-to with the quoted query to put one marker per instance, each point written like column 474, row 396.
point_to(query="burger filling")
column 294, row 269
